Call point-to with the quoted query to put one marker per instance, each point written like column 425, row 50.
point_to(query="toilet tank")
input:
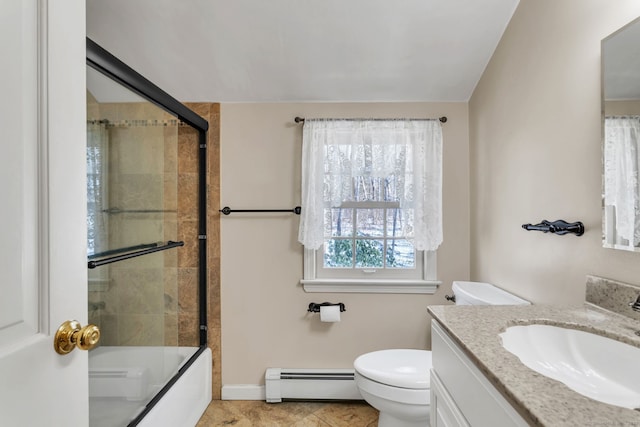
column 478, row 293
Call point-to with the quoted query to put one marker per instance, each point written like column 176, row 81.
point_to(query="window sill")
column 371, row 286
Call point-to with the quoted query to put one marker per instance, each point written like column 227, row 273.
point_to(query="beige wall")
column 534, row 122
column 264, row 318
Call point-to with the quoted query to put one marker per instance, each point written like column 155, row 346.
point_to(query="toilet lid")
column 398, row 368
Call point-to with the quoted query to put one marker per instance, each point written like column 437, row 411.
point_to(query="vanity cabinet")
column 461, row 395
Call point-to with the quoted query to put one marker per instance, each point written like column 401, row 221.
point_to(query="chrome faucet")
column 635, row 306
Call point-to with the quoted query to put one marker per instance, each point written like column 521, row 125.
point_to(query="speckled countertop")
column 540, row 400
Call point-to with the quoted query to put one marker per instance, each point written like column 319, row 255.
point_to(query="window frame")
column 421, row 280
column 427, row 284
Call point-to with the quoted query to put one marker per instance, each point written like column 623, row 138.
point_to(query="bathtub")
column 124, row 383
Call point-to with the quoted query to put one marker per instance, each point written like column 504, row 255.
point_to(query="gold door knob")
column 71, row 335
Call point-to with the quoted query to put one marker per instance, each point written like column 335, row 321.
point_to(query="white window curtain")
column 621, row 175
column 336, row 153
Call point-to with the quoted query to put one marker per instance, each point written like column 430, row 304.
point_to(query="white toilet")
column 397, row 382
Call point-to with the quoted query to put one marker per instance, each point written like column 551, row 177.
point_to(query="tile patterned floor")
column 238, row 413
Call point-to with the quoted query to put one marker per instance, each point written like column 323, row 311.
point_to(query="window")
column 371, row 216
column 367, row 236
column 97, row 199
column 97, row 191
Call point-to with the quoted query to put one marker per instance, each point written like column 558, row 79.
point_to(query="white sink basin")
column 600, row 368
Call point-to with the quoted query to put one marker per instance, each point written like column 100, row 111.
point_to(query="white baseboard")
column 243, row 392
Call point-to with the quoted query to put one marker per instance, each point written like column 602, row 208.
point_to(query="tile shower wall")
column 211, row 113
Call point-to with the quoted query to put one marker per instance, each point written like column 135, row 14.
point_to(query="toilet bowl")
column 397, row 381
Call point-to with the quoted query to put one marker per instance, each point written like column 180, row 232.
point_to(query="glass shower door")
column 132, row 200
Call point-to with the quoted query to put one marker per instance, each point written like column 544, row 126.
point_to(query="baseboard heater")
column 310, row 384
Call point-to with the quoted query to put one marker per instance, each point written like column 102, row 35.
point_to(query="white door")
column 42, row 211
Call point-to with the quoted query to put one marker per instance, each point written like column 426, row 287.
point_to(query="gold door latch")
column 71, row 335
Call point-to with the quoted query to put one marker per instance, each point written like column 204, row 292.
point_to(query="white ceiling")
column 303, row 50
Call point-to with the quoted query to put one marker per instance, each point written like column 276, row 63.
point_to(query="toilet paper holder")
column 315, row 307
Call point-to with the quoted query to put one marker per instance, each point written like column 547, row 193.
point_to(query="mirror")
column 621, row 138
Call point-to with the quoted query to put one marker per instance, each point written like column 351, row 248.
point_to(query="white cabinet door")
column 471, row 398
column 42, row 244
column 444, row 412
